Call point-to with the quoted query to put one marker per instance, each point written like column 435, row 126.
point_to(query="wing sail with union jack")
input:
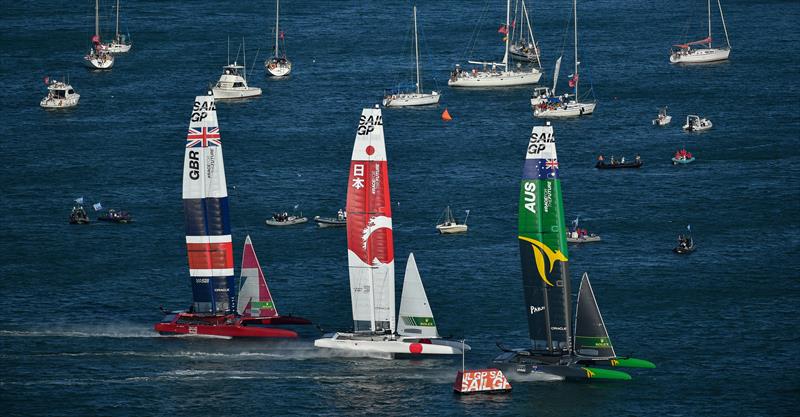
column 203, row 137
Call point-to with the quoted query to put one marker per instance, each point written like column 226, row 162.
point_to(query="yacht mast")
column 277, row 17
column 116, row 34
column 530, row 32
column 97, row 18
column 709, row 23
column 575, row 17
column 508, row 37
column 727, row 40
column 244, row 53
column 416, row 49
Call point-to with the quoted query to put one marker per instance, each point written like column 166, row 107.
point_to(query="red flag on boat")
column 514, row 24
column 503, row 29
column 446, row 116
column 95, row 39
column 46, row 80
column 281, row 35
column 573, row 81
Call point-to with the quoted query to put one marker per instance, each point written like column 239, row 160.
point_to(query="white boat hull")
column 572, row 109
column 298, row 220
column 278, row 70
column 60, row 103
column 700, row 55
column 662, row 121
column 411, row 99
column 447, row 230
column 234, row 93
column 117, row 48
column 94, row 62
column 698, row 128
column 584, row 239
column 389, row 346
column 494, row 79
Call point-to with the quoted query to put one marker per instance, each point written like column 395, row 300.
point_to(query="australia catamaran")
column 556, row 352
column 495, row 74
column 217, row 310
column 399, row 97
column 691, row 53
column 370, row 253
column 547, row 105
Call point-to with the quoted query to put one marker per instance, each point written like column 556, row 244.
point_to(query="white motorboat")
column 577, row 235
column 401, row 97
column 663, row 118
column 523, row 46
column 60, row 95
column 696, row 123
column 450, row 225
column 121, row 43
column 233, row 84
column 286, row 219
column 693, row 53
column 495, row 74
column 370, row 254
column 278, row 65
column 546, row 104
column 339, row 221
column 98, row 58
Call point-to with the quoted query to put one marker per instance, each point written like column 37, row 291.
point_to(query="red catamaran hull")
column 228, row 326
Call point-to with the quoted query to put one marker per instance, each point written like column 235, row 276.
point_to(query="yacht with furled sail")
column 98, row 57
column 370, row 253
column 556, row 351
column 495, row 74
column 232, row 83
column 121, row 42
column 547, row 105
column 278, row 65
column 217, row 309
column 694, row 53
column 60, row 95
column 400, row 97
column 523, row 46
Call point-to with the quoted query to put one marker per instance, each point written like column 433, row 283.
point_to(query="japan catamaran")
column 400, row 97
column 495, row 74
column 556, row 352
column 547, row 105
column 523, row 46
column 121, row 42
column 217, row 310
column 278, row 65
column 98, row 58
column 370, row 253
column 691, row 53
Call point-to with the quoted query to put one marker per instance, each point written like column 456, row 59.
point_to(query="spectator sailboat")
column 692, row 53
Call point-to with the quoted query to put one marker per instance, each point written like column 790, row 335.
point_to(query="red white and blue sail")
column 369, row 228
column 205, row 207
column 254, row 298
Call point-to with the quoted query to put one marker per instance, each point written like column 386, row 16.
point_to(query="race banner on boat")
column 369, row 228
column 543, row 245
column 205, row 207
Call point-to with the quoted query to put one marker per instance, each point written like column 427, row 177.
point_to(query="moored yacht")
column 98, row 57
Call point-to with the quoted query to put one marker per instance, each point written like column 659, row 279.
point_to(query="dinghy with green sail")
column 557, row 352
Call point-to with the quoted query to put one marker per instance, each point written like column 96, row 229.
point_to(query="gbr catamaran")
column 556, row 352
column 370, row 254
column 217, row 310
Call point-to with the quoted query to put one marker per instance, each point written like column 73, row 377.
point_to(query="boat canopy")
column 706, row 41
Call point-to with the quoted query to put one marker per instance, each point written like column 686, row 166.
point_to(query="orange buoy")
column 446, row 116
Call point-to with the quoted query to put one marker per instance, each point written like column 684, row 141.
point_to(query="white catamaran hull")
column 234, row 93
column 570, row 110
column 494, row 79
column 390, row 345
column 411, row 99
column 700, row 55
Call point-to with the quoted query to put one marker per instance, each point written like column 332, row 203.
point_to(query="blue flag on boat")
column 79, row 200
column 97, row 206
column 689, row 227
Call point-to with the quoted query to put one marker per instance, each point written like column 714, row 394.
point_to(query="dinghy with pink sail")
column 214, row 311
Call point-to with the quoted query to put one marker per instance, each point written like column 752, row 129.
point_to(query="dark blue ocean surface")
column 79, row 302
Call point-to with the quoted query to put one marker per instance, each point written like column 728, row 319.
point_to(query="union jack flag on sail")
column 203, row 137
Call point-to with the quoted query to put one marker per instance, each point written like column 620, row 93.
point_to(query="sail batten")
column 543, row 246
column 369, row 228
column 206, row 214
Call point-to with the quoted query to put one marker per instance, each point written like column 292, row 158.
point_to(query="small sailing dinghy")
column 286, row 219
column 695, row 123
column 682, row 157
column 663, row 118
column 278, row 65
column 556, row 353
column 618, row 163
column 547, row 105
column 232, row 83
column 60, row 95
column 98, row 57
column 495, row 74
column 450, row 225
column 121, row 43
column 400, row 97
column 370, row 253
column 578, row 235
column 692, row 53
column 217, row 310
column 339, row 221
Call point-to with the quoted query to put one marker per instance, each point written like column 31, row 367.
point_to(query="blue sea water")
column 79, row 303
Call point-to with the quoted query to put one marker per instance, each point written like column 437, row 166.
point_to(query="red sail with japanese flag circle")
column 369, row 228
column 254, row 298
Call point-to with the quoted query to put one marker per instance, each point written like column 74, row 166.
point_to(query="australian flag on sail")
column 203, row 137
column 541, row 169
